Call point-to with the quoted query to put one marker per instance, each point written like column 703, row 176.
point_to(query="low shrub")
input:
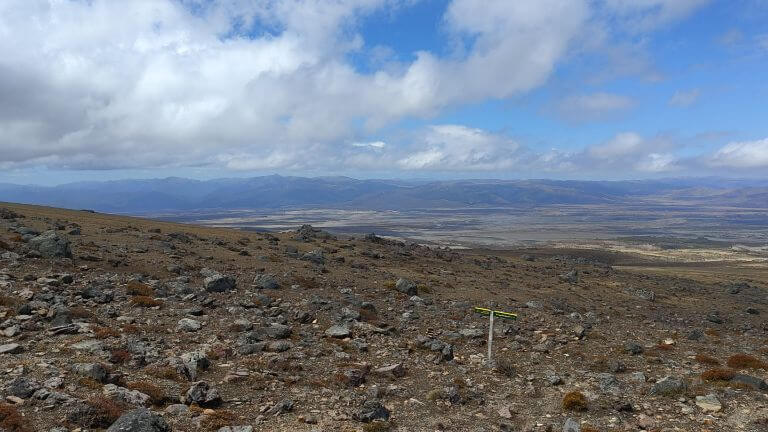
column 575, row 401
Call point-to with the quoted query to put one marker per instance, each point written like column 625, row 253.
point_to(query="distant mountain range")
column 274, row 192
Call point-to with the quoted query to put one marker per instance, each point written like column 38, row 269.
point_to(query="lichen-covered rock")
column 51, row 245
column 140, row 420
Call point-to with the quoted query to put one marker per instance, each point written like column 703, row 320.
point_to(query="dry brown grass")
column 145, row 301
column 506, row 367
column 136, row 288
column 80, row 312
column 707, row 360
column 745, row 361
column 718, row 374
column 575, row 401
column 588, row 428
column 90, row 383
column 131, row 329
column 368, row 315
column 377, row 426
column 101, row 413
column 165, row 372
column 217, row 420
column 9, row 301
column 11, row 419
column 119, row 356
column 712, row 332
column 156, row 394
column 105, row 332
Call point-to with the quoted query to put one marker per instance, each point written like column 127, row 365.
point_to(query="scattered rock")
column 370, row 411
column 709, row 403
column 202, row 394
column 140, row 420
column 669, row 386
column 50, row 245
column 338, row 331
column 406, row 286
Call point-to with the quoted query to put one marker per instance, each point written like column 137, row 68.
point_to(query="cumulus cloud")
column 684, row 99
column 246, row 84
column 745, row 154
column 459, row 148
column 593, row 106
column 269, row 84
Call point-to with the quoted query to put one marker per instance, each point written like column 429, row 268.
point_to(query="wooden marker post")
column 491, row 313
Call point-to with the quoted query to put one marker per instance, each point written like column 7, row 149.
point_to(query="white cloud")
column 685, row 98
column 593, row 106
column 459, row 148
column 657, row 162
column 148, row 83
column 623, row 144
column 745, row 154
column 372, row 144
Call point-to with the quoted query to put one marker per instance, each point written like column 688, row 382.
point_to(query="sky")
column 567, row 89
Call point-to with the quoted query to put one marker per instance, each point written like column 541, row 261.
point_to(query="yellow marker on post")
column 491, row 313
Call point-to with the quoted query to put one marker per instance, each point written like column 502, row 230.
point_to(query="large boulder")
column 406, row 286
column 51, row 245
column 140, row 420
column 217, row 282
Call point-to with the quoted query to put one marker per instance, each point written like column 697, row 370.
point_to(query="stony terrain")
column 122, row 324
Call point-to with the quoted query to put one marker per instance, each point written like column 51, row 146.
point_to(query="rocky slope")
column 122, row 324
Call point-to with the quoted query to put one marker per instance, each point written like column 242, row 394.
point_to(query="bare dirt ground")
column 215, row 329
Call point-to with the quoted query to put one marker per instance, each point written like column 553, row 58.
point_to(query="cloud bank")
column 269, row 85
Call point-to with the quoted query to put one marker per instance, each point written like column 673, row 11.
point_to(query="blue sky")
column 587, row 89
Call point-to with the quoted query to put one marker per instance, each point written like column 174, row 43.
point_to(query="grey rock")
column 202, row 394
column 370, row 411
column 472, row 333
column 266, row 281
column 176, row 409
column 191, row 363
column 236, row 429
column 140, row 420
column 122, row 394
column 91, row 370
column 338, row 331
column 11, row 348
column 189, row 325
column 668, row 386
column 751, row 381
column 572, row 277
column 633, row 348
column 278, row 346
column 396, row 370
column 571, row 425
column 216, row 282
column 709, row 403
column 407, row 287
column 50, row 245
column 91, row 345
column 284, row 406
column 277, row 331
column 23, row 387
column 316, row 256
column 608, row 382
column 641, row 293
column 714, row 317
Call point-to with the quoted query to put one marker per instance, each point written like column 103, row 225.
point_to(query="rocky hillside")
column 123, row 324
